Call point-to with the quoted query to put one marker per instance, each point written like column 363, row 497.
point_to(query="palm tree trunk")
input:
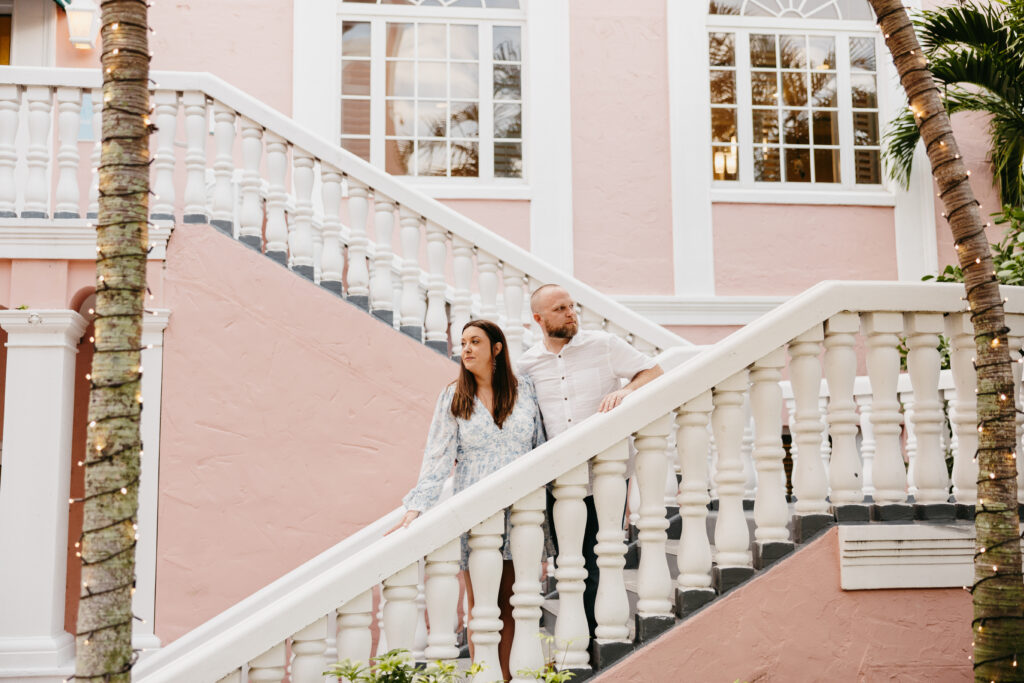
column 103, row 642
column 998, row 587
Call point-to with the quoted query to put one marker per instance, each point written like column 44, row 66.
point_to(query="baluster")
column 671, row 475
column 654, row 582
column 570, row 514
column 512, row 280
column 195, row 157
column 269, row 666
column 527, row 543
column 826, row 447
column 485, row 566
column 747, row 452
column 591, row 320
column 381, row 288
column 223, row 166
column 924, row 364
column 97, row 151
column 332, row 262
column 883, row 362
column 963, row 413
column 66, row 198
column 420, row 639
column 1015, row 338
column 770, row 510
column 442, row 589
column 412, row 307
column 277, row 227
column 400, row 608
column 353, row 625
column 165, row 115
column 358, row 276
column 693, row 584
column 841, row 373
column 906, row 400
column 462, row 265
column 250, row 218
column 611, row 606
column 308, row 648
column 10, row 104
column 809, row 482
column 867, row 443
column 436, row 320
column 382, row 637
column 300, row 228
column 732, row 537
column 487, row 279
column 40, row 108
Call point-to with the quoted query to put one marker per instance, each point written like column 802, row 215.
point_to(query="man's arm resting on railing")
column 639, row 379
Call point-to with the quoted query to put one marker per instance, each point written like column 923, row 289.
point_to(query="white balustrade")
column 611, row 606
column 923, row 361
column 747, row 452
column 40, row 111
column 250, row 217
column 732, row 537
column 399, row 610
column 654, row 582
column 277, row 197
column 906, row 399
column 165, row 116
column 512, row 281
column 487, row 280
column 10, row 103
column 485, row 566
column 419, row 641
column 883, row 361
column 300, row 228
column 809, row 482
column 195, row 157
column 412, row 309
column 223, row 166
column 97, row 152
column 570, row 515
column 269, row 666
column 527, row 543
column 694, row 558
column 436, row 320
column 770, row 510
column 867, row 443
column 462, row 265
column 308, row 653
column 233, row 677
column 67, row 196
column 963, row 413
column 381, row 287
column 841, row 373
column 353, row 624
column 332, row 263
column 442, row 594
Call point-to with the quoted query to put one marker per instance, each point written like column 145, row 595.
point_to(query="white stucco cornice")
column 71, row 239
column 42, row 328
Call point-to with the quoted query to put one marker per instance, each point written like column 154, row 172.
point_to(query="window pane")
column 762, row 50
column 355, row 77
column 508, row 121
column 464, row 42
column 862, row 54
column 400, row 119
column 464, row 158
column 767, row 167
column 798, row 165
column 503, row 4
column 794, row 89
column 822, row 52
column 764, row 87
column 507, row 83
column 401, row 79
column 867, row 166
column 795, row 126
column 508, row 160
column 855, row 9
column 466, row 3
column 355, row 39
column 358, row 146
column 724, row 163
column 766, row 126
column 465, row 79
column 823, row 87
column 793, row 50
column 396, row 156
column 433, row 79
column 465, row 120
column 725, row 7
column 723, row 125
column 826, row 165
column 865, row 128
column 432, row 119
column 721, row 49
column 400, row 41
column 432, row 42
column 507, row 44
column 723, row 87
column 355, row 117
column 431, row 158
column 863, row 87
column 826, row 128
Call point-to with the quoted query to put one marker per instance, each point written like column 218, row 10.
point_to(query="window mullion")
column 485, row 124
column 744, row 109
column 847, row 163
column 378, row 88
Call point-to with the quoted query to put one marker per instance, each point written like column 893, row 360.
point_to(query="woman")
column 484, row 420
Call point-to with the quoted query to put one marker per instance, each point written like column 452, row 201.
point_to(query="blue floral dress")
column 477, row 447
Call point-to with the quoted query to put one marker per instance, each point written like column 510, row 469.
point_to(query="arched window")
column 794, row 93
column 434, row 87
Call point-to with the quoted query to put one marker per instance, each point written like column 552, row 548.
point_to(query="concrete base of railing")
column 692, row 599
column 413, row 331
column 252, row 241
column 892, row 512
column 384, row 315
column 852, row 513
column 766, row 553
column 197, row 218
column 935, row 512
column 806, row 527
column 603, row 653
column 334, row 287
column 226, row 227
column 724, row 579
column 649, row 628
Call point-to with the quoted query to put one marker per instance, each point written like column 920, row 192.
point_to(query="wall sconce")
column 83, row 23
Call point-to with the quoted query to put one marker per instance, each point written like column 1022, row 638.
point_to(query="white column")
column 195, row 157
column 732, row 537
column 97, row 152
column 300, row 228
column 512, row 280
column 381, row 288
column 841, row 373
column 462, row 265
column 654, row 583
column 223, row 166
column 270, row 666
column 867, row 443
column 527, row 542
column 358, row 272
column 308, row 648
column 332, row 263
column 10, row 103
column 923, row 362
column 412, row 307
column 883, row 362
column 1015, row 338
column 611, row 606
column 436, row 319
column 277, row 196
column 485, row 565
column 250, row 217
column 38, row 409
column 353, row 624
column 399, row 596
column 770, row 510
column 963, row 413
column 487, row 279
column 570, row 514
column 442, row 589
column 165, row 116
column 37, row 189
column 694, row 559
column 809, row 483
column 66, row 198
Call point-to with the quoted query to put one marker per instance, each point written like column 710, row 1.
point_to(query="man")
column 578, row 373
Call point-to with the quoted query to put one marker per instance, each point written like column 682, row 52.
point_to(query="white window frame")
column 486, row 185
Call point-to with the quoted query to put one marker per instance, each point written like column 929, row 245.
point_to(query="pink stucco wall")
column 507, row 218
column 289, row 420
column 794, row 623
column 622, row 222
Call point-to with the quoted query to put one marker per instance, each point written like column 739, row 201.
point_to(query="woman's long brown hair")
column 503, row 385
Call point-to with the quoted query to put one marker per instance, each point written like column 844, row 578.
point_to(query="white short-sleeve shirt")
column 571, row 383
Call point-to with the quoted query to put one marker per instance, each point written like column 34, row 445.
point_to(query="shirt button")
column 570, row 419
column 566, row 398
column 563, row 377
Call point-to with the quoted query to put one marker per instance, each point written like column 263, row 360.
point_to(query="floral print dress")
column 476, row 446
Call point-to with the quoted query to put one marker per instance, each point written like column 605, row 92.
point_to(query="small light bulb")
column 124, row 491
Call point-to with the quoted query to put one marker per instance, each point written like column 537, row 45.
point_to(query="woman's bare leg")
column 469, row 610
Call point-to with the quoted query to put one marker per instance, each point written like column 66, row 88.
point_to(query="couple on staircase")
column 568, row 376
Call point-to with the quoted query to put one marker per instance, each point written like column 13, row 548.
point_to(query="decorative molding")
column 43, row 328
column 724, row 195
column 712, row 310
column 72, row 239
column 451, row 188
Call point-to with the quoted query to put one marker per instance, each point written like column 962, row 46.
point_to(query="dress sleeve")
column 438, row 455
column 530, row 392
column 625, row 360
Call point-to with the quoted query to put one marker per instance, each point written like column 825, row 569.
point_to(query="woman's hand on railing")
column 406, row 521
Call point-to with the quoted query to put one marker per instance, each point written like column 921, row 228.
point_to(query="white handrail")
column 248, row 629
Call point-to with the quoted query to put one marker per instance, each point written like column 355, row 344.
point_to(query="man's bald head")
column 541, row 293
column 555, row 310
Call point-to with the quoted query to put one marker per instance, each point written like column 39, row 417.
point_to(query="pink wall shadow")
column 795, row 624
column 290, row 419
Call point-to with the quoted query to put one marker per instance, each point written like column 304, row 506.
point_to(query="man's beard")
column 566, row 331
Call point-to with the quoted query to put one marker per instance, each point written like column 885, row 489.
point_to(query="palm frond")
column 967, row 25
column 900, row 141
column 983, row 68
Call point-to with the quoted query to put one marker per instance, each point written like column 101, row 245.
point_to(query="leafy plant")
column 1007, row 254
column 396, row 667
